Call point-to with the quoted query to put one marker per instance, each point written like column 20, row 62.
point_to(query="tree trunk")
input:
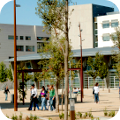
column 103, row 84
column 62, row 95
column 36, row 84
column 56, row 95
column 66, row 62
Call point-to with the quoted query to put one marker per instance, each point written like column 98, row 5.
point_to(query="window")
column 28, row 38
column 114, row 36
column 10, row 57
column 96, row 44
column 30, row 48
column 96, row 32
column 21, row 37
column 40, row 45
column 43, row 38
column 20, row 48
column 114, row 23
column 105, row 24
column 11, row 37
column 106, row 37
column 95, row 24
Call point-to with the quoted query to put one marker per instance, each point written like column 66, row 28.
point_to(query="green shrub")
column 61, row 116
column 98, row 118
column 105, row 112
column 7, row 116
column 49, row 118
column 35, row 117
column 80, row 114
column 20, row 116
column 31, row 117
column 14, row 117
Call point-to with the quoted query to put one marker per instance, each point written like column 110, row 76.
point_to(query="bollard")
column 72, row 109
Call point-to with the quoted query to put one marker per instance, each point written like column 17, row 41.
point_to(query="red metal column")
column 15, row 60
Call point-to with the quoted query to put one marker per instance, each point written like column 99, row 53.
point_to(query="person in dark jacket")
column 43, row 98
column 6, row 93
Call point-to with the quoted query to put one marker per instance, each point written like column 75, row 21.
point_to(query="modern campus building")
column 29, row 39
column 94, row 24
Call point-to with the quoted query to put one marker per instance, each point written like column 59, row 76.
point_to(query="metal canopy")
column 76, row 53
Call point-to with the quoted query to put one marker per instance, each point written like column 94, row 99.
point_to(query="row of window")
column 107, row 23
column 28, row 48
column 11, row 37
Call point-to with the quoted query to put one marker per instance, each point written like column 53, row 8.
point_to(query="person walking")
column 52, row 97
column 96, row 92
column 6, row 93
column 47, row 97
column 33, row 98
column 43, row 98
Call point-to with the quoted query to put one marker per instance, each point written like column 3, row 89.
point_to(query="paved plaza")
column 110, row 101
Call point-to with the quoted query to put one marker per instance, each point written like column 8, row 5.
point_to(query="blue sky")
column 26, row 13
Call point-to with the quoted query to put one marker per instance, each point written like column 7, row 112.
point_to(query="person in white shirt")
column 96, row 92
column 33, row 98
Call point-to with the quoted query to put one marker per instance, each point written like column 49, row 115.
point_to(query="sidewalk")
column 108, row 100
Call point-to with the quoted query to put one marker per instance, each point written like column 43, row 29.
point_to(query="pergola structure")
column 40, row 70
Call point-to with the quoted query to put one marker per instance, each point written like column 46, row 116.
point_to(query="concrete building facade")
column 29, row 39
column 85, row 14
column 105, row 27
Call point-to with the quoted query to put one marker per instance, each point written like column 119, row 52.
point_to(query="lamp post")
column 15, row 59
column 81, row 71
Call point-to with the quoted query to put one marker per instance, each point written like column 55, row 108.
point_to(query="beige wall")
column 84, row 15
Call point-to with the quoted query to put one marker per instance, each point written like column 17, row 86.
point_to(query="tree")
column 55, row 16
column 22, row 85
column 93, row 63
column 9, row 73
column 102, row 70
column 55, row 65
column 116, row 40
column 3, row 72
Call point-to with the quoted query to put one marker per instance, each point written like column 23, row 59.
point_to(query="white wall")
column 109, row 30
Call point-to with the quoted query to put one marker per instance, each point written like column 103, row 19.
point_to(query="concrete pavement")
column 110, row 101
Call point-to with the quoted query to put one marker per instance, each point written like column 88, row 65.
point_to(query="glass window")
column 21, row 37
column 114, row 23
column 95, row 25
column 43, row 38
column 96, row 32
column 96, row 38
column 28, row 38
column 106, row 37
column 30, row 48
column 40, row 45
column 11, row 37
column 96, row 44
column 20, row 48
column 105, row 24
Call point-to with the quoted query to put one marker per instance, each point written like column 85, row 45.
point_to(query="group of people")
column 47, row 96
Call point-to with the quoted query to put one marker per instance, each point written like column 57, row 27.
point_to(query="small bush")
column 80, row 114
column 14, row 117
column 61, row 116
column 49, row 118
column 35, row 117
column 105, row 112
column 31, row 117
column 7, row 116
column 20, row 116
column 98, row 118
